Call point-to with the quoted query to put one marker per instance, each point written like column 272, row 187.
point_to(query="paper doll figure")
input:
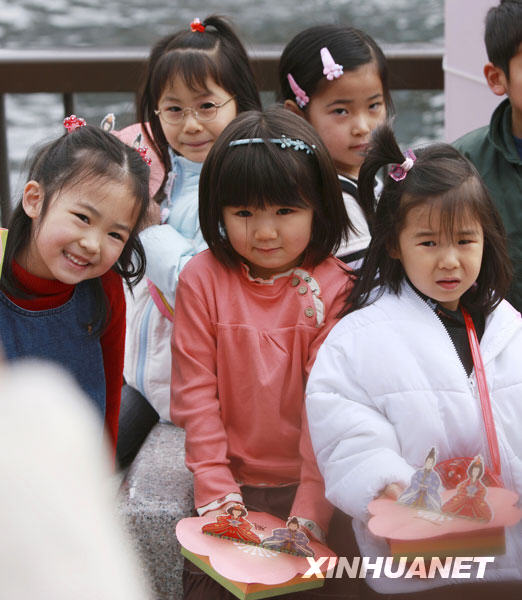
column 289, row 539
column 469, row 500
column 423, row 491
column 233, row 526
column 108, row 122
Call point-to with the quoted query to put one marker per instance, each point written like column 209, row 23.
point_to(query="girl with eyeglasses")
column 197, row 80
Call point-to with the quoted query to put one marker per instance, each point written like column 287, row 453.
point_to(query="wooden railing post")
column 5, row 194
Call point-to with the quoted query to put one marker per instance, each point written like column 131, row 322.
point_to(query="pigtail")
column 382, row 151
column 233, row 51
column 378, row 270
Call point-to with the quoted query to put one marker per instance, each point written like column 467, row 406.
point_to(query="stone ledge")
column 156, row 493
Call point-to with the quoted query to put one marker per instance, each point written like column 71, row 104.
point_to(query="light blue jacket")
column 170, row 246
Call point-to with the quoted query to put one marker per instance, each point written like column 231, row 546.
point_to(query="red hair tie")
column 73, row 122
column 197, row 25
column 142, row 151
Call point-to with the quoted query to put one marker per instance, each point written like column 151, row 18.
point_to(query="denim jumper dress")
column 61, row 335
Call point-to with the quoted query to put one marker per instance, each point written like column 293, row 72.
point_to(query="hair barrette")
column 73, row 122
column 108, row 122
column 300, row 95
column 197, row 25
column 399, row 172
column 330, row 68
column 283, row 141
column 142, row 151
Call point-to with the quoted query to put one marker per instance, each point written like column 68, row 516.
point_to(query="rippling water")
column 118, row 23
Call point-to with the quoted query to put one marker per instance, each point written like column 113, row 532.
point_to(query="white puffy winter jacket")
column 387, row 385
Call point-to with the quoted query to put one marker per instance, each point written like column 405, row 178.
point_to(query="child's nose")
column 448, row 258
column 360, row 125
column 265, row 231
column 90, row 242
column 190, row 123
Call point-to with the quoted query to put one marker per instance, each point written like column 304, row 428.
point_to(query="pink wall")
column 468, row 102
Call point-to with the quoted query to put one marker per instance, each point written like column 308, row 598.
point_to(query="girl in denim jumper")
column 71, row 240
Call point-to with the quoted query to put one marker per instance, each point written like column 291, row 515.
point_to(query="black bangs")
column 251, row 176
column 245, row 168
column 457, row 208
column 192, row 66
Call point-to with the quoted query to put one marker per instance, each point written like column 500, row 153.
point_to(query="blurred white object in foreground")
column 60, row 535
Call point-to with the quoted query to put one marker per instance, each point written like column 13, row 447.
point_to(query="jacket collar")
column 502, row 325
column 501, row 133
column 185, row 165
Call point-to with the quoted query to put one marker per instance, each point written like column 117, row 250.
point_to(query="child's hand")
column 310, row 535
column 392, row 491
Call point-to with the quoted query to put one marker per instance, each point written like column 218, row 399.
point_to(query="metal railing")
column 69, row 71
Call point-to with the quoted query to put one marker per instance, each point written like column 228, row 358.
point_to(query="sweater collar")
column 245, row 269
column 45, row 293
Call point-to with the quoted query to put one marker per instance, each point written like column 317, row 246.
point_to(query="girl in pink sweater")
column 250, row 314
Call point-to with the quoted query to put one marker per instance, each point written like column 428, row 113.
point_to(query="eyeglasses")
column 205, row 112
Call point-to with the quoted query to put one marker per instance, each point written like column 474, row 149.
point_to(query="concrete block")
column 156, row 493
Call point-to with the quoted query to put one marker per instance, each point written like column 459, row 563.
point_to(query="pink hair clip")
column 399, row 172
column 73, row 122
column 197, row 25
column 300, row 95
column 330, row 68
column 142, row 151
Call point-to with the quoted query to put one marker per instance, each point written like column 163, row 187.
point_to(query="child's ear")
column 496, row 78
column 32, row 199
column 292, row 106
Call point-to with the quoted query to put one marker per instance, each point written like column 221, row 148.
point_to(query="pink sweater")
column 242, row 350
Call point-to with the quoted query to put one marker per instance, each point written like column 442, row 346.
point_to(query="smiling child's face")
column 83, row 232
column 191, row 137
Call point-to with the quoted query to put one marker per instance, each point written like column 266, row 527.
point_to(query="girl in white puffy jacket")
column 396, row 376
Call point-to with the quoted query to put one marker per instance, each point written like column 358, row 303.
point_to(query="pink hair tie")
column 300, row 95
column 73, row 122
column 399, row 172
column 330, row 68
column 142, row 151
column 197, row 25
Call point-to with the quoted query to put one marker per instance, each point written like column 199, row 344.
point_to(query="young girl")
column 336, row 77
column 250, row 314
column 71, row 239
column 197, row 80
column 396, row 375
